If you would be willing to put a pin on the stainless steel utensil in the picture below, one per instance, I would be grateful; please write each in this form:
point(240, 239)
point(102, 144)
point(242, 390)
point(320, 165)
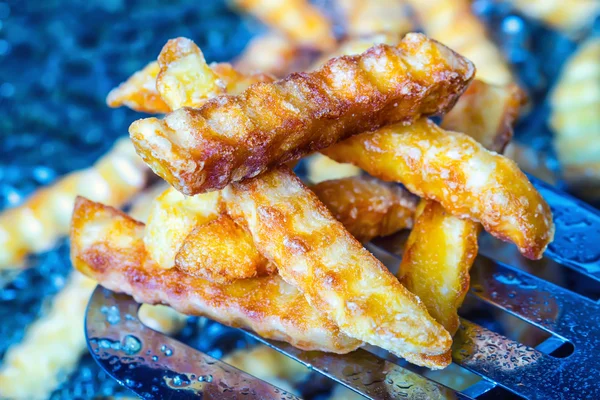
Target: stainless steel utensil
point(156, 366)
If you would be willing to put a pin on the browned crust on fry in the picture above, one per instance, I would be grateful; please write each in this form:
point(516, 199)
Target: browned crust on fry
point(107, 246)
point(366, 206)
point(235, 137)
point(221, 251)
point(336, 274)
point(456, 171)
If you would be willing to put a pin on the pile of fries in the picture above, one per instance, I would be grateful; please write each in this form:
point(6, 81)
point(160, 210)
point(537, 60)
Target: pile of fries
point(236, 236)
point(239, 238)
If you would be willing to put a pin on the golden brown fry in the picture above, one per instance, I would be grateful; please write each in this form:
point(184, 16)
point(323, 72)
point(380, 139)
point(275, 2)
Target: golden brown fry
point(236, 137)
point(436, 261)
point(172, 217)
point(456, 171)
point(35, 225)
point(366, 206)
point(572, 17)
point(221, 251)
point(576, 119)
point(365, 17)
point(441, 247)
point(297, 19)
point(271, 54)
point(139, 92)
point(337, 275)
point(186, 80)
point(487, 113)
point(107, 246)
point(452, 23)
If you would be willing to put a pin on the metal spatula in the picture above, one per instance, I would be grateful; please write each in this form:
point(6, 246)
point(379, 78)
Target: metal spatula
point(156, 366)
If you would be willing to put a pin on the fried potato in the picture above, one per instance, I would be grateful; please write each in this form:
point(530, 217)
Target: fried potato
point(172, 217)
point(437, 258)
point(575, 119)
point(452, 23)
point(52, 344)
point(297, 19)
point(320, 168)
point(221, 251)
point(365, 17)
point(571, 17)
point(487, 113)
point(271, 54)
point(108, 246)
point(36, 225)
point(139, 92)
point(236, 137)
point(337, 275)
point(366, 206)
point(441, 247)
point(186, 80)
point(456, 171)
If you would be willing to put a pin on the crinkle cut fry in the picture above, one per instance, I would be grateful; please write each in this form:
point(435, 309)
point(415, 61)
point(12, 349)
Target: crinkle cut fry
point(236, 137)
point(222, 251)
point(35, 225)
point(337, 275)
point(456, 171)
point(441, 247)
point(107, 246)
point(375, 16)
point(180, 77)
point(572, 17)
point(453, 23)
point(297, 19)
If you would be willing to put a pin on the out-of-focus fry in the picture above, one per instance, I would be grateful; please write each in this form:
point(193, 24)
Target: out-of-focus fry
point(297, 19)
point(271, 54)
point(437, 258)
point(172, 217)
point(366, 206)
point(456, 171)
point(221, 251)
point(142, 203)
point(53, 343)
point(186, 80)
point(452, 23)
point(487, 113)
point(320, 168)
point(35, 225)
point(139, 92)
point(571, 17)
point(108, 246)
point(576, 119)
point(337, 275)
point(365, 17)
point(162, 318)
point(236, 137)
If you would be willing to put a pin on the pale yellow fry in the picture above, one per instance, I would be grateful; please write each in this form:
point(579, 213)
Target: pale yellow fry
point(365, 17)
point(36, 225)
point(271, 53)
point(297, 19)
point(571, 17)
point(456, 171)
point(337, 275)
point(575, 119)
point(453, 23)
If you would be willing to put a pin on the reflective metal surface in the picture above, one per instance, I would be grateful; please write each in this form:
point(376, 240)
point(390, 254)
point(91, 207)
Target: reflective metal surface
point(155, 366)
